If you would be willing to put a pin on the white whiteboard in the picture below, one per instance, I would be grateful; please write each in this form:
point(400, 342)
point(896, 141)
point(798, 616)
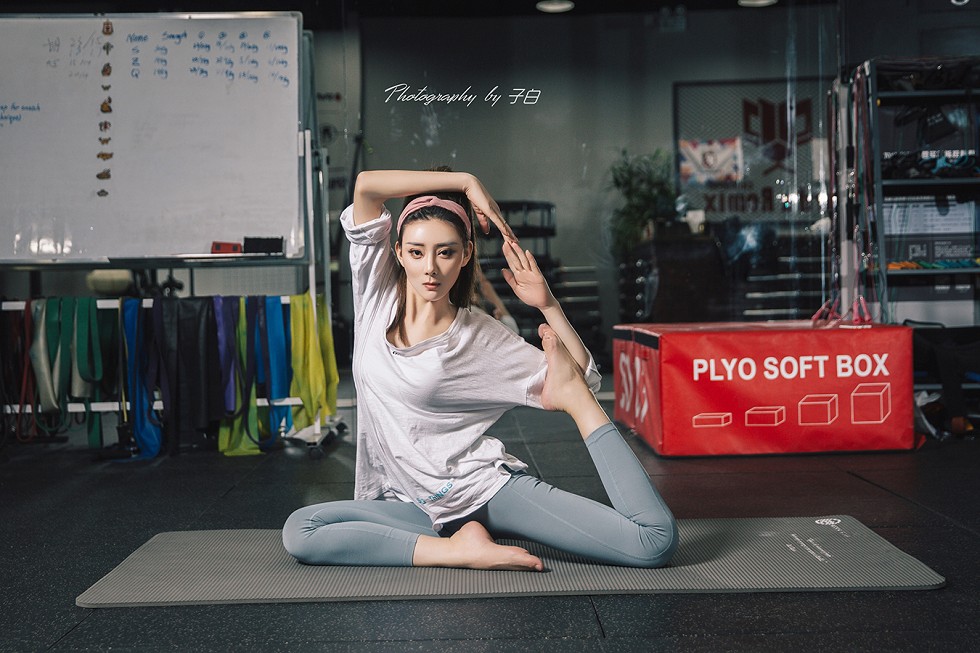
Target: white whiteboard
point(148, 136)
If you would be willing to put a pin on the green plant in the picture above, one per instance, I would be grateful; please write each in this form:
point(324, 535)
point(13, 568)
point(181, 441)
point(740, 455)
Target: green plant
point(646, 182)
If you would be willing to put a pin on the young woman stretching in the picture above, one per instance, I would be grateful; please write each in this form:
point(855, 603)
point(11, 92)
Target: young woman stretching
point(431, 487)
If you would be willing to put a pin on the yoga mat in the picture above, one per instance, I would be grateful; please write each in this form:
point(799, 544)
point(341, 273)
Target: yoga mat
point(715, 555)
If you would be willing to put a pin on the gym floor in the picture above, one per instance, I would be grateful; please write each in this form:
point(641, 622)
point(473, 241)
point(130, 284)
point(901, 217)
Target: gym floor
point(67, 519)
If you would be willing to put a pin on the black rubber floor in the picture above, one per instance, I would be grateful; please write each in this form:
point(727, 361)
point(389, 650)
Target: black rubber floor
point(67, 519)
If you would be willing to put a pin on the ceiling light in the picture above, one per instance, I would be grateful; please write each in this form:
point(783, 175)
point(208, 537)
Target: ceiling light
point(555, 6)
point(756, 3)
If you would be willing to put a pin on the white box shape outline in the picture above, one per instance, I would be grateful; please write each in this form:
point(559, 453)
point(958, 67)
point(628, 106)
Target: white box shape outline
point(723, 419)
point(818, 399)
point(884, 393)
point(780, 412)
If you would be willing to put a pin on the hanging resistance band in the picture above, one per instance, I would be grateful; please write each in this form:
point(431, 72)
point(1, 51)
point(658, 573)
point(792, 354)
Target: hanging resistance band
point(309, 381)
point(146, 429)
point(226, 319)
point(87, 365)
point(50, 355)
point(235, 435)
point(277, 365)
point(27, 383)
point(254, 375)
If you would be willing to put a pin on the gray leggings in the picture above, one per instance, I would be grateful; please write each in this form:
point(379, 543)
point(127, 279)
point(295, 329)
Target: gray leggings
point(640, 532)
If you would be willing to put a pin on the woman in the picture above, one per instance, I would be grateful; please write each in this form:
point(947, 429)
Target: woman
point(433, 376)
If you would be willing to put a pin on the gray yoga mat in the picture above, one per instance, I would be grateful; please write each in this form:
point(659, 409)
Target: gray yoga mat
point(715, 555)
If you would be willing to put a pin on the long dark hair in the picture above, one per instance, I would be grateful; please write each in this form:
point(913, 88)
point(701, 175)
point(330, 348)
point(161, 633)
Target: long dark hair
point(461, 293)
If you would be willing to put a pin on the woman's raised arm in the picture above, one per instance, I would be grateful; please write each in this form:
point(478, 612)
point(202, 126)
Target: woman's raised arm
point(529, 284)
point(374, 187)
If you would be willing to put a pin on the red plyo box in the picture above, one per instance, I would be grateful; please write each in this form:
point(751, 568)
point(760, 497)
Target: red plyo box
point(818, 409)
point(731, 388)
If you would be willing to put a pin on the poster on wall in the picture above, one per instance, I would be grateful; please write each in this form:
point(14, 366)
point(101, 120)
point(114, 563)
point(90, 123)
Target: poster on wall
point(710, 162)
point(751, 149)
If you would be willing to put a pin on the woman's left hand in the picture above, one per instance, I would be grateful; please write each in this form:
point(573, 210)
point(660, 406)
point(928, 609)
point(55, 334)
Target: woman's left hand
point(525, 278)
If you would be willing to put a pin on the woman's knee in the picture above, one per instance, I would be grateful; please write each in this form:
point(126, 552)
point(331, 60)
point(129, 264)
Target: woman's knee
point(298, 536)
point(293, 535)
point(657, 544)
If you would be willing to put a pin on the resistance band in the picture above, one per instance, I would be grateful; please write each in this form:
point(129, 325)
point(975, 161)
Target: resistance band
point(146, 429)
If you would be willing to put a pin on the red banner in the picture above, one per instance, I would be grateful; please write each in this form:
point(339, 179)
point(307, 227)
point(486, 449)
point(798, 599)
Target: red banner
point(764, 388)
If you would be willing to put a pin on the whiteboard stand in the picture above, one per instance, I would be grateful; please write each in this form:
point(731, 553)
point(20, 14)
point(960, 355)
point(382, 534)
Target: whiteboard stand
point(151, 176)
point(309, 209)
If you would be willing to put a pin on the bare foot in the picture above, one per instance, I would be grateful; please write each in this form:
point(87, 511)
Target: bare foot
point(477, 550)
point(472, 547)
point(564, 385)
point(565, 388)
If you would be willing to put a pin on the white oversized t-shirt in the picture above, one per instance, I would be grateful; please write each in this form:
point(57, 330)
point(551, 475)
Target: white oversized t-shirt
point(423, 411)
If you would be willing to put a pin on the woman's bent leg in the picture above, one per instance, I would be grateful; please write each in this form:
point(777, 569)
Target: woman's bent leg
point(381, 533)
point(632, 493)
point(640, 532)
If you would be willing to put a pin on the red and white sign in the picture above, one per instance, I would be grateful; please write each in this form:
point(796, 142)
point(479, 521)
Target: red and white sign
point(763, 388)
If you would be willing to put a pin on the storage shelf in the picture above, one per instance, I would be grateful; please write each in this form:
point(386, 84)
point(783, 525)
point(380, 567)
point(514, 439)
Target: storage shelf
point(933, 273)
point(938, 386)
point(893, 98)
point(113, 406)
point(101, 304)
point(77, 407)
point(900, 187)
point(871, 132)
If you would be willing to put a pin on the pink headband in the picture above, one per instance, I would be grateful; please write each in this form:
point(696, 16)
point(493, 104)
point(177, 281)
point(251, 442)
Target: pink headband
point(432, 200)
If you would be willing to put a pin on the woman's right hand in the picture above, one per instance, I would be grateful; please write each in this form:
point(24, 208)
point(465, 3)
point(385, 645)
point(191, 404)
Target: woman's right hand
point(486, 208)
